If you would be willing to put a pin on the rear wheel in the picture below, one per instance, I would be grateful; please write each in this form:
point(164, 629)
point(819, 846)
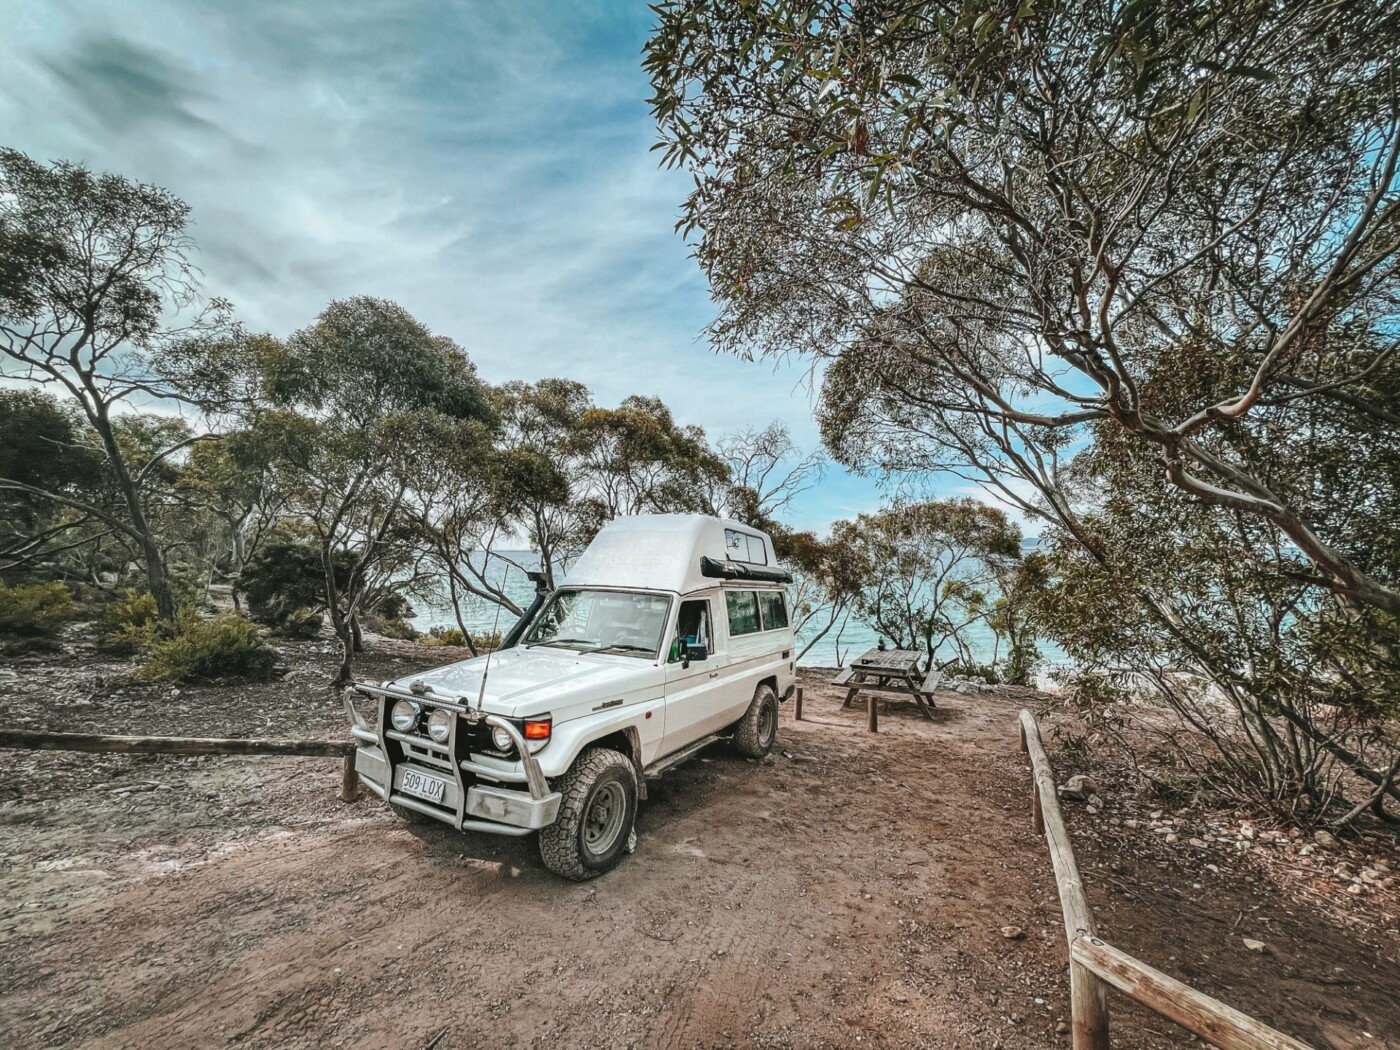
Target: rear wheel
point(758, 729)
point(596, 814)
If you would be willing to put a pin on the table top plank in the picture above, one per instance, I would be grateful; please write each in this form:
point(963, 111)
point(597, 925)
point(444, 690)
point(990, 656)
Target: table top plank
point(894, 661)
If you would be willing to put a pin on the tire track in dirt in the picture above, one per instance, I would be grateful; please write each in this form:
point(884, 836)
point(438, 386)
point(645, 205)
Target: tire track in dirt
point(850, 896)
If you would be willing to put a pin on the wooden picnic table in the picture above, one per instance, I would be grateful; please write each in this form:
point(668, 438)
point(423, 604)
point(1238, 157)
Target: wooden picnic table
point(889, 671)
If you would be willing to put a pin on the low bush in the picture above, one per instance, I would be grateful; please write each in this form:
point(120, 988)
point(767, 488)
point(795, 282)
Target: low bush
point(34, 610)
point(986, 672)
point(443, 636)
point(128, 622)
point(303, 624)
point(401, 629)
point(200, 650)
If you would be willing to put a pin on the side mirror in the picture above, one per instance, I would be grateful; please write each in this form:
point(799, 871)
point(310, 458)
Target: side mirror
point(696, 652)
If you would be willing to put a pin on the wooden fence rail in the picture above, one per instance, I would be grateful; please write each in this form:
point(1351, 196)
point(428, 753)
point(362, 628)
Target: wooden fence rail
point(99, 743)
point(1094, 964)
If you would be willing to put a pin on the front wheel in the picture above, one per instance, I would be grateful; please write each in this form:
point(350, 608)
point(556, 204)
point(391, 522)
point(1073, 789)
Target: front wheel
point(756, 731)
point(596, 814)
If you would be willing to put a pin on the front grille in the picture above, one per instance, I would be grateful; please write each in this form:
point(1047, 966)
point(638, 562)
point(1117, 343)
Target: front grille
point(471, 737)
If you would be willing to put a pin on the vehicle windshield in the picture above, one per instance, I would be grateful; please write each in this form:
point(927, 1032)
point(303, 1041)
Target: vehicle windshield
point(621, 622)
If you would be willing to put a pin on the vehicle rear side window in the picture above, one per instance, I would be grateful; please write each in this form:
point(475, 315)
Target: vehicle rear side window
point(774, 610)
point(740, 546)
point(743, 612)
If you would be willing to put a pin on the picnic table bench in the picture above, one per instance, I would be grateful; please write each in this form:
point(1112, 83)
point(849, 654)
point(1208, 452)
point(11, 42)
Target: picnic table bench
point(889, 671)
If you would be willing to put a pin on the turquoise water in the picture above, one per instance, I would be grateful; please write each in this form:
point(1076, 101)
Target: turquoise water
point(481, 616)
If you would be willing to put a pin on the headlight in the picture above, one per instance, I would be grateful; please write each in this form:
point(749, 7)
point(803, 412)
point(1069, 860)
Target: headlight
point(404, 716)
point(440, 725)
point(501, 739)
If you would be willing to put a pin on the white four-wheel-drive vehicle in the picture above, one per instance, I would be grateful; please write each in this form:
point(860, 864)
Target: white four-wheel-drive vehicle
point(670, 631)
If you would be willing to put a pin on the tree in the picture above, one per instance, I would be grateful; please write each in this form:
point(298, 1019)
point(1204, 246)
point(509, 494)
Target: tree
point(356, 395)
point(94, 270)
point(41, 448)
point(539, 458)
point(568, 466)
point(1004, 222)
point(1289, 691)
point(826, 582)
point(234, 478)
point(927, 572)
point(765, 472)
point(638, 460)
point(457, 505)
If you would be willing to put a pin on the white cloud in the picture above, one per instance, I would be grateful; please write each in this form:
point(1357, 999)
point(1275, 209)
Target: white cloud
point(485, 165)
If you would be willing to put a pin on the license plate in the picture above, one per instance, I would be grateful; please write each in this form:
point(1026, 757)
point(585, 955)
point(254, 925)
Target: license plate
point(431, 788)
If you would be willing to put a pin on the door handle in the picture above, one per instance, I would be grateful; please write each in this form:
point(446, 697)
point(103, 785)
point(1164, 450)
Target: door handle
point(714, 674)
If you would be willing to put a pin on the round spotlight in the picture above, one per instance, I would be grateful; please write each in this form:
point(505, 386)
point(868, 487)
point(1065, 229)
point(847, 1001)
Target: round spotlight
point(501, 739)
point(440, 725)
point(404, 716)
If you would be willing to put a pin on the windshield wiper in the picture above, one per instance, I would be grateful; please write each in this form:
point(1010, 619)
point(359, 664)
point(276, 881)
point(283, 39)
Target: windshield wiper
point(563, 641)
point(628, 648)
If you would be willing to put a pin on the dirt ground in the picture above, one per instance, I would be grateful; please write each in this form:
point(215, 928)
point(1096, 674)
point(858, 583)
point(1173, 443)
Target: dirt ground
point(849, 893)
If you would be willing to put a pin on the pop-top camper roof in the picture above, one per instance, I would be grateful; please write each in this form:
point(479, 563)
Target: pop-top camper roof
point(675, 552)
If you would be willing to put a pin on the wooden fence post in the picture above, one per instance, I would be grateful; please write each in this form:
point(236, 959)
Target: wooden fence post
point(872, 713)
point(797, 711)
point(349, 780)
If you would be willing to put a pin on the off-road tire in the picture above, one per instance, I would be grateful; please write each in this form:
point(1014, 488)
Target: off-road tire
point(755, 733)
point(564, 845)
point(411, 816)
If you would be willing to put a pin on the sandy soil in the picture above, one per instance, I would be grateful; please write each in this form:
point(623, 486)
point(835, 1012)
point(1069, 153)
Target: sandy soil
point(849, 893)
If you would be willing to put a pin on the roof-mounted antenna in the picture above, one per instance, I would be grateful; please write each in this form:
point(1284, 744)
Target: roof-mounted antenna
point(495, 630)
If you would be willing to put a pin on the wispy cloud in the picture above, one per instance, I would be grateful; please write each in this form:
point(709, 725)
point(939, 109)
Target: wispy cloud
point(485, 165)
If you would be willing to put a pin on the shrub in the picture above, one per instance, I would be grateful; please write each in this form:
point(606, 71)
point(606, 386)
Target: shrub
point(35, 610)
point(302, 624)
point(285, 576)
point(444, 636)
point(986, 672)
point(129, 622)
point(393, 628)
point(197, 650)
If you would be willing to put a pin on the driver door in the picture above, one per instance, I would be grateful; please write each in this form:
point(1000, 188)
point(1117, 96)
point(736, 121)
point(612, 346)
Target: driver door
point(693, 693)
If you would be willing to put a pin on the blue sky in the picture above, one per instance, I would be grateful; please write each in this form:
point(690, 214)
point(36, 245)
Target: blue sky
point(485, 165)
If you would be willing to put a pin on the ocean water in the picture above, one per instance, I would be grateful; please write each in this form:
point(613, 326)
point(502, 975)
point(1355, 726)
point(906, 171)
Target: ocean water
point(480, 616)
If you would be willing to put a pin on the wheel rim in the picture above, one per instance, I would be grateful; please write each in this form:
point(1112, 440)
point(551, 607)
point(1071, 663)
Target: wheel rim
point(606, 812)
point(766, 725)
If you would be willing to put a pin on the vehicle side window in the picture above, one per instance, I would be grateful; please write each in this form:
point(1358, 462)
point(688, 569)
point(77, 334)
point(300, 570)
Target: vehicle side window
point(774, 610)
point(743, 612)
point(692, 627)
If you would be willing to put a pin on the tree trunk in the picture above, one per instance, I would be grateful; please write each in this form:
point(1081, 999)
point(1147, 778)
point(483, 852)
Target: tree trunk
point(240, 555)
point(357, 638)
point(136, 512)
point(339, 621)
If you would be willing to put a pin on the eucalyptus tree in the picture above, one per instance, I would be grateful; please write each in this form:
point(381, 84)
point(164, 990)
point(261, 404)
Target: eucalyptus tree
point(927, 572)
point(568, 466)
point(1291, 693)
point(998, 223)
point(538, 458)
point(42, 447)
point(96, 287)
point(233, 479)
point(457, 508)
point(827, 580)
point(357, 395)
point(765, 472)
point(637, 460)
